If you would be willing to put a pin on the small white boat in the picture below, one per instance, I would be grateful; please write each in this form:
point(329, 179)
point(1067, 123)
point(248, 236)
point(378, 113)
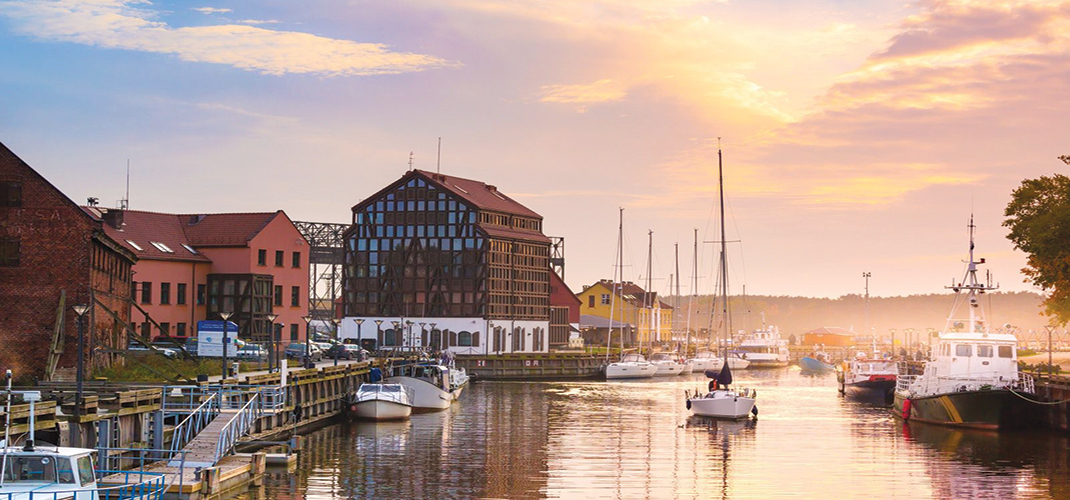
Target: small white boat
point(706, 360)
point(630, 366)
point(382, 402)
point(688, 367)
point(666, 365)
point(723, 403)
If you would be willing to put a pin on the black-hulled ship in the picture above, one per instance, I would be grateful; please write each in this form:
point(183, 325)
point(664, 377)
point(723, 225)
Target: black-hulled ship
point(971, 378)
point(868, 378)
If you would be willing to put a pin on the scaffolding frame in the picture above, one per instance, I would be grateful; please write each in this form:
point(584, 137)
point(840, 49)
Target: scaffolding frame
point(325, 259)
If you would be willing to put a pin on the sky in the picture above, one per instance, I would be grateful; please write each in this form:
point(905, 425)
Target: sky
point(858, 136)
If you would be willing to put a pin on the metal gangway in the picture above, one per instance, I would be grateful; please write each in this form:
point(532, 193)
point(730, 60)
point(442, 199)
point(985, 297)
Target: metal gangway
point(216, 418)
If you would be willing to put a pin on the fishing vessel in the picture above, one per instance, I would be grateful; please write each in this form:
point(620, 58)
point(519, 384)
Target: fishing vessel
point(721, 401)
point(631, 365)
point(764, 348)
point(971, 378)
point(818, 363)
point(869, 379)
point(382, 402)
point(435, 384)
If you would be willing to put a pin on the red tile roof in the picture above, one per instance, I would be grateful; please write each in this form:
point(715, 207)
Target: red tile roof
point(176, 231)
point(480, 194)
point(225, 230)
point(635, 295)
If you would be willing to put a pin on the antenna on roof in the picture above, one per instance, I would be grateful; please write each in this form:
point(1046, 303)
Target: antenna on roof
point(438, 162)
point(410, 160)
point(125, 202)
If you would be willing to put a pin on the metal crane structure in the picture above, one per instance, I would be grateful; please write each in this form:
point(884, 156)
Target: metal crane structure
point(325, 266)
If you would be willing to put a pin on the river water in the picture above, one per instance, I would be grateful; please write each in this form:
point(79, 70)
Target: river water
point(635, 439)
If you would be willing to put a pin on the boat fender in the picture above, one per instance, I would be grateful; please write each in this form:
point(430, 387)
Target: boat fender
point(906, 409)
point(688, 404)
point(353, 408)
point(754, 410)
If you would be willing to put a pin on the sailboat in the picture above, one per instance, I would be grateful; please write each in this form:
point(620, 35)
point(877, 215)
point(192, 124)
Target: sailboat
point(971, 378)
point(722, 401)
point(666, 364)
point(631, 365)
point(688, 365)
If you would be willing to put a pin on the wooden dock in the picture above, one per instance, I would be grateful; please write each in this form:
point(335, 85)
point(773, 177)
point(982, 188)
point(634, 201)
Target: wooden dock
point(532, 366)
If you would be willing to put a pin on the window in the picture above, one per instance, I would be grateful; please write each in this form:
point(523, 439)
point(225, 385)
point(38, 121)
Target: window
point(278, 295)
point(296, 260)
point(165, 329)
point(136, 246)
point(1005, 351)
point(10, 248)
point(464, 339)
point(605, 299)
point(180, 330)
point(180, 299)
point(590, 301)
point(295, 296)
point(10, 194)
point(201, 294)
point(261, 257)
point(146, 292)
point(30, 468)
point(189, 249)
point(984, 351)
point(279, 255)
point(85, 470)
point(165, 293)
point(962, 350)
point(161, 247)
point(388, 337)
point(293, 332)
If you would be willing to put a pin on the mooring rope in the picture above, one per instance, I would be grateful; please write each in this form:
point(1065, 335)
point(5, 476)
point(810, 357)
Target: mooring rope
point(1012, 391)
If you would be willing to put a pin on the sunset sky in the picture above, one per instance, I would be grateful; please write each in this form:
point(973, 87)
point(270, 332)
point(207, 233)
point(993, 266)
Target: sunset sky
point(858, 135)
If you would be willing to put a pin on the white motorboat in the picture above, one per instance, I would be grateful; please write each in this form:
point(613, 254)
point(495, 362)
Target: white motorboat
point(434, 386)
point(764, 348)
point(706, 360)
point(382, 402)
point(688, 368)
point(666, 365)
point(630, 366)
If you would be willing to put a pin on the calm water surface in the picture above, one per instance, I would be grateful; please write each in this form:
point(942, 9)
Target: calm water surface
point(595, 439)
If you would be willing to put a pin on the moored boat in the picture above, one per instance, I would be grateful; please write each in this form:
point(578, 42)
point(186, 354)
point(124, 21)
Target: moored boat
point(971, 378)
point(816, 364)
point(666, 365)
point(382, 402)
point(435, 385)
point(869, 380)
point(630, 366)
point(764, 348)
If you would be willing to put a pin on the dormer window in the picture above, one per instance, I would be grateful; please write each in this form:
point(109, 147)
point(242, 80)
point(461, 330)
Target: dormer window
point(135, 245)
point(189, 248)
point(161, 247)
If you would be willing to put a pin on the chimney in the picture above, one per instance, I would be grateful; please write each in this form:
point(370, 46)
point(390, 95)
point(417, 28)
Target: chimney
point(113, 217)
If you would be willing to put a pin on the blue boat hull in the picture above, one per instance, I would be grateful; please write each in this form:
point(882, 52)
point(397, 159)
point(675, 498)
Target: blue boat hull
point(812, 365)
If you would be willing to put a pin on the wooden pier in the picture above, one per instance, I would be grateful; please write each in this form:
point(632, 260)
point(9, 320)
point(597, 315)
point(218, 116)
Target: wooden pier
point(531, 366)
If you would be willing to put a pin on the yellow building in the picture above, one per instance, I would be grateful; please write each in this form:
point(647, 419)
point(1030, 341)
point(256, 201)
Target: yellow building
point(631, 305)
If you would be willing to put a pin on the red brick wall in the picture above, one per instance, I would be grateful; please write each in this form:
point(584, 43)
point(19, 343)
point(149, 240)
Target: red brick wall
point(56, 241)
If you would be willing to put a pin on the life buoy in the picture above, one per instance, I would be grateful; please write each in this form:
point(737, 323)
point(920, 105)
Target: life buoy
point(906, 409)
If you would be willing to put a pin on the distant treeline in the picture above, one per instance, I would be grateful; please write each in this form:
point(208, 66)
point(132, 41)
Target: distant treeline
point(795, 315)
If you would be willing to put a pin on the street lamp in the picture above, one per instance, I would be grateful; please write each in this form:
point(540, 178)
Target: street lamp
point(337, 343)
point(80, 311)
point(226, 316)
point(422, 335)
point(397, 325)
point(272, 354)
point(308, 341)
point(359, 321)
point(408, 335)
point(431, 338)
point(378, 333)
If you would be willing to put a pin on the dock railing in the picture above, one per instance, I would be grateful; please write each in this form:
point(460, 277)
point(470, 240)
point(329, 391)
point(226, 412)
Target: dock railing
point(238, 426)
point(927, 385)
point(137, 485)
point(198, 419)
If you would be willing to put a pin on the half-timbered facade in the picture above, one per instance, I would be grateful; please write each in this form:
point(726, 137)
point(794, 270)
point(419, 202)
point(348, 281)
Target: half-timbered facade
point(451, 263)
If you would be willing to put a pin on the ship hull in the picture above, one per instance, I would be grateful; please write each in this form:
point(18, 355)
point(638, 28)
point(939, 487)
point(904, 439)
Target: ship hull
point(871, 391)
point(991, 409)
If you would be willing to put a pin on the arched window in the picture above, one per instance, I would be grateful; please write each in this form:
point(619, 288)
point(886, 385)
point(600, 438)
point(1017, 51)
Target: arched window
point(464, 339)
point(436, 339)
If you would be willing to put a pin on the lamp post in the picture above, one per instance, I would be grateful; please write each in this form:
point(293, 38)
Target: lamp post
point(308, 341)
point(867, 275)
point(397, 325)
point(892, 331)
point(378, 333)
point(80, 311)
point(408, 334)
point(431, 337)
point(226, 316)
point(359, 321)
point(422, 330)
point(337, 343)
point(1050, 329)
point(272, 354)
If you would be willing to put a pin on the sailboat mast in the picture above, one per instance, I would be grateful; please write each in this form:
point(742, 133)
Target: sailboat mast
point(687, 340)
point(613, 291)
point(724, 251)
point(648, 298)
point(620, 265)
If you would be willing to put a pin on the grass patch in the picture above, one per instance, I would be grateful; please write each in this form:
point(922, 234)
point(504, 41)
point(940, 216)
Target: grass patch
point(1026, 352)
point(130, 371)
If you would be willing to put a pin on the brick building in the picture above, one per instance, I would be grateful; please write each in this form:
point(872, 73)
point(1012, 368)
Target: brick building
point(193, 266)
point(53, 253)
point(564, 312)
point(448, 263)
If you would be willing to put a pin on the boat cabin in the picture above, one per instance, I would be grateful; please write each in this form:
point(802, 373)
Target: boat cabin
point(633, 358)
point(662, 356)
point(970, 354)
point(47, 470)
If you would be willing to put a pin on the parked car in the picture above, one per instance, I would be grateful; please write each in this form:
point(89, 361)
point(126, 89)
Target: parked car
point(296, 350)
point(347, 351)
point(324, 346)
point(252, 352)
point(166, 351)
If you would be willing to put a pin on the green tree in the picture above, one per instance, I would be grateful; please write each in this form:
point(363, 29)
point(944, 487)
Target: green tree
point(1039, 219)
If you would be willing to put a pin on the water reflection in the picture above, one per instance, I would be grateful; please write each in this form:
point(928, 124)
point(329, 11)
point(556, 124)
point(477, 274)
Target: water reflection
point(637, 440)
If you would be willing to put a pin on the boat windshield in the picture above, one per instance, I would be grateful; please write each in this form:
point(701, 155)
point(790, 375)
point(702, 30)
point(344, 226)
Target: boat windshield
point(633, 358)
point(661, 357)
point(38, 469)
point(705, 355)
